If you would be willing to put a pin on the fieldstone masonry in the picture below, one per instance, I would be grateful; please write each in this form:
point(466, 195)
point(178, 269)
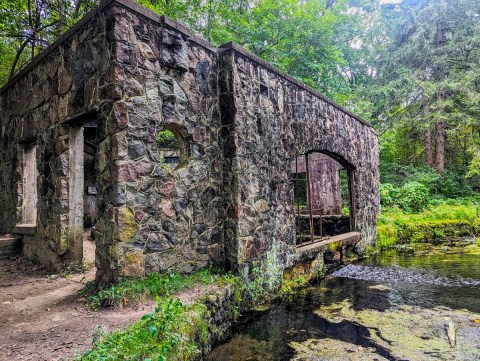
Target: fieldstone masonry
point(239, 122)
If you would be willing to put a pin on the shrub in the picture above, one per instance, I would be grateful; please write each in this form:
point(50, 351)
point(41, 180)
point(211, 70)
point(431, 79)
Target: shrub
point(133, 290)
point(386, 236)
point(449, 184)
point(388, 194)
point(413, 197)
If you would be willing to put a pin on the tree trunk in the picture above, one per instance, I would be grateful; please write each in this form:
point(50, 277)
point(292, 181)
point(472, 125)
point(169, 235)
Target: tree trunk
point(440, 147)
point(428, 147)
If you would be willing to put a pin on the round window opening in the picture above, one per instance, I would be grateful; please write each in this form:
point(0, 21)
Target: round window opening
point(173, 151)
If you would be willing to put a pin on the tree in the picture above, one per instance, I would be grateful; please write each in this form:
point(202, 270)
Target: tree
point(28, 26)
point(425, 78)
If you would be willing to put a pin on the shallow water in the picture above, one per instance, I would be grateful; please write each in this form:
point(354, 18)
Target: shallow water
point(355, 311)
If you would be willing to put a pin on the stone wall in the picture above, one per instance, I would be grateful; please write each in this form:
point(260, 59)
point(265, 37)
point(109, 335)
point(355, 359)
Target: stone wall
point(38, 109)
point(161, 218)
point(239, 123)
point(135, 73)
point(272, 119)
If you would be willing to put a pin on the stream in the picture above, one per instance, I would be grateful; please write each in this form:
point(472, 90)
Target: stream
point(418, 305)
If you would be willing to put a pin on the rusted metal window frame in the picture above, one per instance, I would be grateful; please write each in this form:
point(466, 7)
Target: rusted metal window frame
point(351, 189)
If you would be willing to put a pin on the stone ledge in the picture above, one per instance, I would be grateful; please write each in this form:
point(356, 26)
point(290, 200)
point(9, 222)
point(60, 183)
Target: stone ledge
point(311, 250)
point(25, 228)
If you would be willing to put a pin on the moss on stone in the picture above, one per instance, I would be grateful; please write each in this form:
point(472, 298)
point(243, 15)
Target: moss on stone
point(175, 331)
point(133, 264)
point(386, 236)
point(125, 225)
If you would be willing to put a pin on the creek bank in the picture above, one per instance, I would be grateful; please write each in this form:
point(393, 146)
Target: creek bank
point(436, 232)
point(182, 326)
point(199, 311)
point(453, 220)
point(392, 318)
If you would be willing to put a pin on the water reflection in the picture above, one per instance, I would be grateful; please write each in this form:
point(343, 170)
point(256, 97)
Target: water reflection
point(380, 285)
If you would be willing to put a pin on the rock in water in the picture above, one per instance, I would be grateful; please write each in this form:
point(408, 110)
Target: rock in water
point(451, 333)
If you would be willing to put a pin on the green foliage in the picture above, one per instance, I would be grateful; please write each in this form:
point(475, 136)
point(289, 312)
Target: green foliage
point(389, 194)
point(292, 283)
point(174, 331)
point(134, 290)
point(158, 336)
point(449, 184)
point(167, 139)
point(309, 39)
point(423, 56)
point(411, 197)
point(29, 26)
point(255, 288)
point(386, 236)
point(433, 231)
point(444, 219)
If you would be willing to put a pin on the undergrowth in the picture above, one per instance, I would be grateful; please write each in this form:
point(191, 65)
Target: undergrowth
point(136, 290)
point(172, 332)
point(442, 220)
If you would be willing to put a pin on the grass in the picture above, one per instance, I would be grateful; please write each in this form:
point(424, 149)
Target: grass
point(174, 331)
point(442, 220)
point(135, 290)
point(462, 209)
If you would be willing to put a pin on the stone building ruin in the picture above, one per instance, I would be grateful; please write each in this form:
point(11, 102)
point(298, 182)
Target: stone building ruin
point(82, 128)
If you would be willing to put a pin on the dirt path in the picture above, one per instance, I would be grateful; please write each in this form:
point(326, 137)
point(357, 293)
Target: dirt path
point(42, 317)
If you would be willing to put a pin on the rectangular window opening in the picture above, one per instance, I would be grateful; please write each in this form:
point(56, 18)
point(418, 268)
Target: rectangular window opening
point(29, 185)
point(264, 90)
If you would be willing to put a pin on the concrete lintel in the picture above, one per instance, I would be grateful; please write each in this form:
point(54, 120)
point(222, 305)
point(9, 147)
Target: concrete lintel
point(81, 118)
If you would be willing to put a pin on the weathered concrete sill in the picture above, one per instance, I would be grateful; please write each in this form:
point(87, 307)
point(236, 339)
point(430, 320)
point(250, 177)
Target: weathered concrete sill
point(25, 228)
point(310, 250)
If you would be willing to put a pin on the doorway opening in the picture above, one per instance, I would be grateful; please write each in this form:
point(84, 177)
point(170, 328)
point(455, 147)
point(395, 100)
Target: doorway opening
point(322, 197)
point(90, 190)
point(83, 192)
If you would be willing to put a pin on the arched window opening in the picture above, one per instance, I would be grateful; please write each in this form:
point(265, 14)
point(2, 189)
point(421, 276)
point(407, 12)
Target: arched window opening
point(322, 197)
point(173, 149)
